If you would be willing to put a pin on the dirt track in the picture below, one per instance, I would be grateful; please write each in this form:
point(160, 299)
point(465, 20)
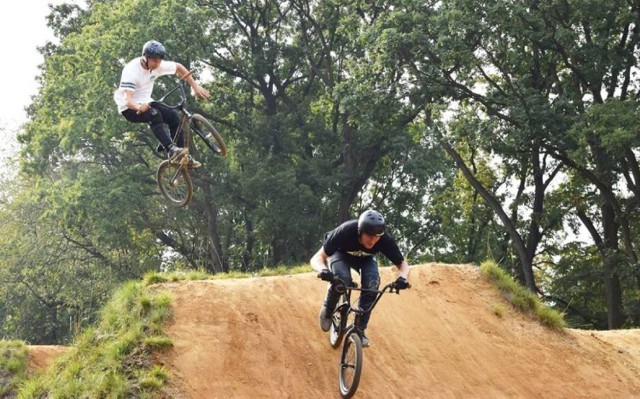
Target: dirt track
point(259, 338)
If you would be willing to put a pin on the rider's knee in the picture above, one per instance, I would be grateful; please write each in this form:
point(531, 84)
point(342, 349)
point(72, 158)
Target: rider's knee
point(155, 118)
point(374, 283)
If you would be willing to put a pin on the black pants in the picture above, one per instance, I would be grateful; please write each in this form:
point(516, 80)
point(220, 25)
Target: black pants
point(341, 265)
point(156, 117)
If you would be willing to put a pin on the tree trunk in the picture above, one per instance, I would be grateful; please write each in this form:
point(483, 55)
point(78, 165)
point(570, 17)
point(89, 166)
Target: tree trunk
point(497, 208)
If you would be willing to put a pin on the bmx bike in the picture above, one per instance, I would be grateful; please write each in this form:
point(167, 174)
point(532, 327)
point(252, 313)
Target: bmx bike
point(174, 179)
point(341, 329)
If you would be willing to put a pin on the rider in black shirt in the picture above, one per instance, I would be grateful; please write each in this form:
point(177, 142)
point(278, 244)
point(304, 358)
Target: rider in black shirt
point(354, 244)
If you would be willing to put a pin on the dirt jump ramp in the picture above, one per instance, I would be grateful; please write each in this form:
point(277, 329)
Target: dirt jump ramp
point(259, 338)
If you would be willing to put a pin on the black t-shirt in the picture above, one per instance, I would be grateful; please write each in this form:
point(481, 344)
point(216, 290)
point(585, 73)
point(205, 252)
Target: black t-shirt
point(344, 238)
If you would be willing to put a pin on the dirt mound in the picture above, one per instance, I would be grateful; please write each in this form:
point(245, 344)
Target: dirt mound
point(41, 356)
point(259, 338)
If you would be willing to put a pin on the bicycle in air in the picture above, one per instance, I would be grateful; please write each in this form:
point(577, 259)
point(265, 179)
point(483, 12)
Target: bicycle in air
point(342, 329)
point(174, 179)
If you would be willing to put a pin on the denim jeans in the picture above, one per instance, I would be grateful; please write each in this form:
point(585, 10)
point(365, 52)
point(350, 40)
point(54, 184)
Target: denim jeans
point(341, 265)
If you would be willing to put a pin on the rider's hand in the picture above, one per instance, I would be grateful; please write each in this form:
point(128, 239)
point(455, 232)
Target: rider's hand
point(326, 275)
point(401, 283)
point(142, 108)
point(201, 92)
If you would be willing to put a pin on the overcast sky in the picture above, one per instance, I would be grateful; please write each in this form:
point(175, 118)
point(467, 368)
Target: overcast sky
point(23, 28)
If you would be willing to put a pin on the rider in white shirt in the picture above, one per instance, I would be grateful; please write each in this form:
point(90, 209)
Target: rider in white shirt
point(133, 96)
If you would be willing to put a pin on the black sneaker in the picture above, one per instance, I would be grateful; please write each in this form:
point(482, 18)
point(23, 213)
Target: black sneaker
point(176, 153)
point(324, 318)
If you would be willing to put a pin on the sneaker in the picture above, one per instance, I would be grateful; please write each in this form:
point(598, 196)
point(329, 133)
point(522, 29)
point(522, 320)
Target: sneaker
point(193, 164)
point(365, 341)
point(176, 153)
point(325, 319)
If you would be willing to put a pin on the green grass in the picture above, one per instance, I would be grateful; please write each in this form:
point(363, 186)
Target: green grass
point(13, 366)
point(159, 277)
point(521, 298)
point(498, 310)
point(112, 359)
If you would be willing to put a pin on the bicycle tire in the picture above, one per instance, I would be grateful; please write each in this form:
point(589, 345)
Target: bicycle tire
point(205, 130)
point(338, 324)
point(350, 365)
point(174, 183)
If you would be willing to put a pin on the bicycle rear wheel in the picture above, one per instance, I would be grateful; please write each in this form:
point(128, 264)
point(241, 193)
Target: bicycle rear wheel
point(205, 130)
point(338, 324)
point(350, 365)
point(175, 183)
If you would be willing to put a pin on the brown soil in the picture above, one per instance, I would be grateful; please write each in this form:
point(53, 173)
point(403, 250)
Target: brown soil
point(41, 356)
point(259, 338)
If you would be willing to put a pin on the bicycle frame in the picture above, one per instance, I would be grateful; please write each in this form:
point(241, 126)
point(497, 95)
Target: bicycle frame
point(173, 177)
point(346, 291)
point(185, 115)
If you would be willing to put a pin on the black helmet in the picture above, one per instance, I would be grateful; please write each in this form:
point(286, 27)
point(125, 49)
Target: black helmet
point(372, 223)
point(153, 49)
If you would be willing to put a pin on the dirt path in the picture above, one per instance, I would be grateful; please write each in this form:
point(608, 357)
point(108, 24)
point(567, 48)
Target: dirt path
point(259, 338)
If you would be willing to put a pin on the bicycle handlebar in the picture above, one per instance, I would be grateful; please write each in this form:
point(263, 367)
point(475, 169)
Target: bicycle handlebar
point(183, 96)
point(342, 287)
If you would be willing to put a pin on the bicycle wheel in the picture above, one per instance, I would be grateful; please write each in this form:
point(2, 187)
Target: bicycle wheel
point(350, 365)
point(205, 130)
point(175, 183)
point(338, 323)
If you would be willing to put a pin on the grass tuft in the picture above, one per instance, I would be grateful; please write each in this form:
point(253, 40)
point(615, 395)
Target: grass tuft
point(521, 298)
point(498, 310)
point(159, 278)
point(112, 359)
point(13, 366)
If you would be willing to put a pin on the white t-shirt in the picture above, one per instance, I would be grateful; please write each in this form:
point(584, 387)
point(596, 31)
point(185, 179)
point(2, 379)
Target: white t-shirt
point(140, 81)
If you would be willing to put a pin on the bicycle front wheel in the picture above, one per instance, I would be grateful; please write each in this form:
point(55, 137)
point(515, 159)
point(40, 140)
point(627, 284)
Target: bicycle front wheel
point(350, 365)
point(175, 183)
point(205, 130)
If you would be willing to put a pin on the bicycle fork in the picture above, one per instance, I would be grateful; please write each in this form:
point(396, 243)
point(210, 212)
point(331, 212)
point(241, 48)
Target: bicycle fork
point(183, 164)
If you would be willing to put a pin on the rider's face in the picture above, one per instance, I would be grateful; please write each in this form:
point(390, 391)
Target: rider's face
point(153, 63)
point(368, 241)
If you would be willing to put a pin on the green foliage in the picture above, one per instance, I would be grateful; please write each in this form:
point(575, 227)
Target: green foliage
point(521, 298)
point(328, 108)
point(13, 366)
point(112, 359)
point(159, 278)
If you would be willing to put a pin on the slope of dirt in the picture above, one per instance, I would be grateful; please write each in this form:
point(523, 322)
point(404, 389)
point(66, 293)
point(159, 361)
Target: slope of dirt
point(41, 356)
point(259, 338)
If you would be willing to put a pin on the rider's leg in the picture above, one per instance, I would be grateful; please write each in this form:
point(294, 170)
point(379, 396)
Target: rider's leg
point(156, 123)
point(370, 280)
point(172, 119)
point(154, 119)
point(343, 271)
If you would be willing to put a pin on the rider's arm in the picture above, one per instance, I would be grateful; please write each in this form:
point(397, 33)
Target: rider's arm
point(319, 260)
point(132, 104)
point(198, 90)
point(404, 269)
